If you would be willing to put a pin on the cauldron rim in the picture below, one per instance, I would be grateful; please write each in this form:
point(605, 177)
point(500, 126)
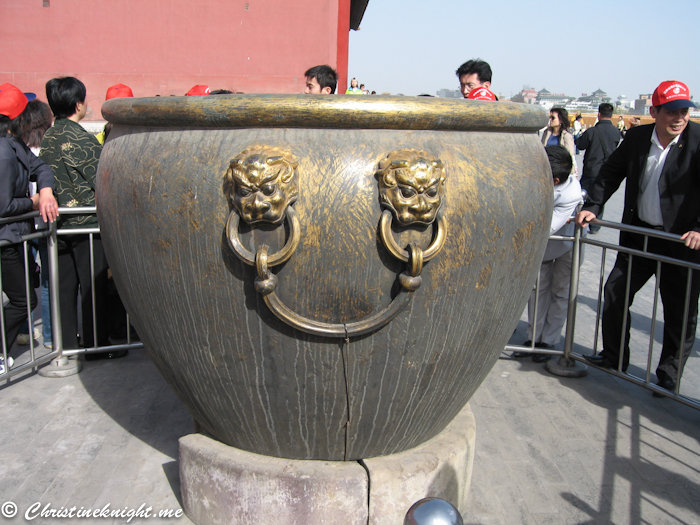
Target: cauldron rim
point(324, 111)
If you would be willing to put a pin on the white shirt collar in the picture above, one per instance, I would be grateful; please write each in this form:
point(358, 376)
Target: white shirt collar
point(655, 140)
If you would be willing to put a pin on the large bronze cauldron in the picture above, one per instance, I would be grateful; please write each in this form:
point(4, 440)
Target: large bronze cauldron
point(324, 277)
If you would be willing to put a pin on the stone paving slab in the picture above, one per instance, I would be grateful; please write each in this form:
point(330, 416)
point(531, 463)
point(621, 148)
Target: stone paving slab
point(584, 450)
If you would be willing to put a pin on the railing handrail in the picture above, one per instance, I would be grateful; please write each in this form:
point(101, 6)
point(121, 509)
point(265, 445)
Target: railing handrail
point(649, 232)
point(58, 354)
point(568, 356)
point(578, 241)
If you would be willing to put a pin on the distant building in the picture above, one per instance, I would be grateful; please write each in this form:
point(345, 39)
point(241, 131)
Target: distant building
point(594, 100)
point(527, 95)
point(549, 100)
point(449, 93)
point(642, 105)
point(622, 102)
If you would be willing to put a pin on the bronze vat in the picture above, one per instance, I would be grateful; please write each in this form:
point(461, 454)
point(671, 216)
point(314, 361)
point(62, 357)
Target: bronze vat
point(324, 277)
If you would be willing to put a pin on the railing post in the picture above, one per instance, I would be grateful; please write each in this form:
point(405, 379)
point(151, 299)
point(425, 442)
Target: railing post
point(60, 366)
point(565, 366)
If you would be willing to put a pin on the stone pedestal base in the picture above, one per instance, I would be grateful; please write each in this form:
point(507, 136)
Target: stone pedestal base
point(224, 485)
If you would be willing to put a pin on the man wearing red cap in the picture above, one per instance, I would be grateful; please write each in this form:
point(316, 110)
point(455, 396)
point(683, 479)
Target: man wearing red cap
point(661, 165)
point(473, 74)
point(119, 91)
point(115, 91)
point(198, 91)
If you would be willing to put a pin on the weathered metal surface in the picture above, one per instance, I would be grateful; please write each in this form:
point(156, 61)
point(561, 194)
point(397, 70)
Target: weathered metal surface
point(321, 111)
point(248, 378)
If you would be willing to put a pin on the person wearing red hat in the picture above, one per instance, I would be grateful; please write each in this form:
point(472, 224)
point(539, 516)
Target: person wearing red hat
point(660, 163)
point(119, 91)
point(198, 91)
point(473, 74)
point(18, 165)
point(115, 91)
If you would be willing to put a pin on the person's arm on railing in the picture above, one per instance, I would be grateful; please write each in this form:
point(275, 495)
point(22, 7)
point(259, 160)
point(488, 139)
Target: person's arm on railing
point(584, 217)
point(691, 239)
point(45, 200)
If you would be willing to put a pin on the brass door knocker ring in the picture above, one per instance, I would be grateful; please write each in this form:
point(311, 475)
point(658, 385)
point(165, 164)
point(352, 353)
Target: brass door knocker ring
point(392, 246)
point(276, 258)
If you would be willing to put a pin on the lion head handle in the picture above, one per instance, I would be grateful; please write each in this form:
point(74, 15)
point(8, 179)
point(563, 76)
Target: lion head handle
point(411, 184)
point(261, 183)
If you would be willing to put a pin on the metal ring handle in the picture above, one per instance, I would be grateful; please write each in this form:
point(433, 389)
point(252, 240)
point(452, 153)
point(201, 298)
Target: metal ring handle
point(281, 256)
point(261, 262)
point(415, 265)
point(362, 327)
point(410, 282)
point(395, 250)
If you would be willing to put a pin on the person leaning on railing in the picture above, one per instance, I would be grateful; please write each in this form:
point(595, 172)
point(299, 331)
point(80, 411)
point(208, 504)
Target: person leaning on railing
point(661, 165)
point(17, 165)
point(555, 270)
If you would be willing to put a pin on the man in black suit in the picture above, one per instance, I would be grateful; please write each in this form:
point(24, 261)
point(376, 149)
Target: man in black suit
point(661, 163)
point(599, 142)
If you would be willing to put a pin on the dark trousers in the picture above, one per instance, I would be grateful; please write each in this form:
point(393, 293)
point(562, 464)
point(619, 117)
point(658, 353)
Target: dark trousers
point(75, 287)
point(672, 285)
point(13, 284)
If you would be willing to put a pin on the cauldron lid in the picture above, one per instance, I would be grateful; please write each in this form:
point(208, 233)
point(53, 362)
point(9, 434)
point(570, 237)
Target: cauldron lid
point(324, 111)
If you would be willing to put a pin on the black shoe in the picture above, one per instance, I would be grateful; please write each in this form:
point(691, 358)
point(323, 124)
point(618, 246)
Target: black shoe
point(541, 358)
point(604, 362)
point(599, 360)
point(667, 384)
point(519, 355)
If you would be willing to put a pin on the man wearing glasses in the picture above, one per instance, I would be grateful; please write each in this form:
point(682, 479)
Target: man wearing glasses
point(473, 74)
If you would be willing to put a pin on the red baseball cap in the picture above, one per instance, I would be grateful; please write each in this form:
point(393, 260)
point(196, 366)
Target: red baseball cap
point(481, 93)
point(198, 91)
point(119, 91)
point(672, 94)
point(13, 101)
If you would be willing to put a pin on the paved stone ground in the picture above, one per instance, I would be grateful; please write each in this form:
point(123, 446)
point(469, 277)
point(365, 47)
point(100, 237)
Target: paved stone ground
point(549, 450)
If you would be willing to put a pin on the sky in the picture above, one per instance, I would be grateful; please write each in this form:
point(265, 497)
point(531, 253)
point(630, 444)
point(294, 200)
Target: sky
point(624, 47)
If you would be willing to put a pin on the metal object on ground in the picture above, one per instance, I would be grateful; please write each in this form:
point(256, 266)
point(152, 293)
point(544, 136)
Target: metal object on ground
point(386, 251)
point(433, 511)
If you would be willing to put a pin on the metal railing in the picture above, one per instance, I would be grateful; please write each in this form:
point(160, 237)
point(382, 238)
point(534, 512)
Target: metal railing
point(569, 358)
point(34, 360)
point(58, 355)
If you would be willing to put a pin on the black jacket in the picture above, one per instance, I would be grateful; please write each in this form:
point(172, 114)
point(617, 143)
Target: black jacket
point(679, 183)
point(595, 141)
point(17, 165)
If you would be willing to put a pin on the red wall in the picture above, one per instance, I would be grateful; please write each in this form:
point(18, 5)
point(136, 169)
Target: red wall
point(165, 47)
